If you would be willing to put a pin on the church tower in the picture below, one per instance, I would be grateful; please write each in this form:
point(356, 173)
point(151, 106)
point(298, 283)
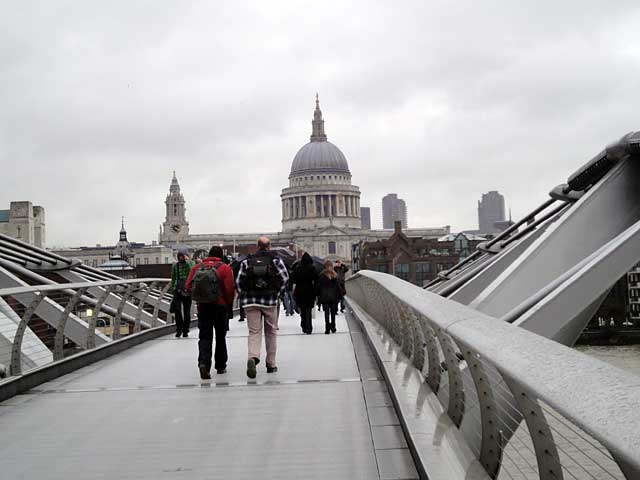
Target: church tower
point(123, 247)
point(175, 226)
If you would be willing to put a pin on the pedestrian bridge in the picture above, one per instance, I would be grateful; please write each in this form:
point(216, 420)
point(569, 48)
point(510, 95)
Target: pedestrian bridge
point(145, 413)
point(470, 378)
point(395, 394)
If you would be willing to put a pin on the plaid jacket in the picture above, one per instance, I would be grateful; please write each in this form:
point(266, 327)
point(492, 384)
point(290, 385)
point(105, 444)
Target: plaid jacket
point(180, 271)
point(261, 300)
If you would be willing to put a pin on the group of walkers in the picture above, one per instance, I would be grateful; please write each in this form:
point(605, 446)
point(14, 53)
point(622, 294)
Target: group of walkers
point(261, 282)
point(326, 289)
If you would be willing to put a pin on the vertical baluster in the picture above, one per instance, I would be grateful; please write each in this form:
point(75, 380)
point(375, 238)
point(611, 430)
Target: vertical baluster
point(549, 465)
point(16, 350)
point(455, 409)
point(115, 333)
point(143, 301)
point(91, 329)
point(58, 349)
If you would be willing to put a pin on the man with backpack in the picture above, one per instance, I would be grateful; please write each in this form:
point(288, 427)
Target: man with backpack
point(261, 280)
point(211, 287)
point(181, 301)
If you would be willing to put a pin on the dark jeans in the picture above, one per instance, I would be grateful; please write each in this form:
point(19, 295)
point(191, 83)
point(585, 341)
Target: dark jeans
point(330, 315)
point(306, 322)
point(289, 303)
point(210, 317)
point(183, 321)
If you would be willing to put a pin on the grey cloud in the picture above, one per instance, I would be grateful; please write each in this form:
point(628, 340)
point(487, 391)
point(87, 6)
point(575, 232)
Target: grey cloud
point(437, 101)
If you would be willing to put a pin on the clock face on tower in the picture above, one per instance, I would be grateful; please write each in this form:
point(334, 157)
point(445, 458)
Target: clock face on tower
point(176, 227)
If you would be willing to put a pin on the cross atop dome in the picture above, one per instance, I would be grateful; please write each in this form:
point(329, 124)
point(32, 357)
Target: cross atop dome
point(317, 132)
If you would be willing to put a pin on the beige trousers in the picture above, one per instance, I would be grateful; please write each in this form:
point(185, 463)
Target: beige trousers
point(255, 317)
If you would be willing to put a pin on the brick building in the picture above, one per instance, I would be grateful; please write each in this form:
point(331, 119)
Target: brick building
point(415, 259)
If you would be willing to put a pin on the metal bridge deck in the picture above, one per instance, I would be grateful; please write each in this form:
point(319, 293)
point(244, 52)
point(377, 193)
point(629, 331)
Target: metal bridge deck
point(145, 413)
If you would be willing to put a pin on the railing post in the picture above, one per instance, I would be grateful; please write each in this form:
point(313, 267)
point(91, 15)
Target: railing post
point(16, 350)
point(418, 340)
point(549, 466)
point(115, 332)
point(143, 300)
point(434, 373)
point(406, 335)
point(156, 309)
point(491, 448)
point(455, 409)
point(91, 329)
point(58, 349)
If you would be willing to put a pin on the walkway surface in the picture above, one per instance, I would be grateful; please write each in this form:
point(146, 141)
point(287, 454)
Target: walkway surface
point(145, 414)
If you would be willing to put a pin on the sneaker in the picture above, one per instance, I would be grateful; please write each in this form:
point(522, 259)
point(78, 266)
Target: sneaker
point(273, 369)
point(178, 335)
point(251, 368)
point(221, 371)
point(204, 373)
point(185, 334)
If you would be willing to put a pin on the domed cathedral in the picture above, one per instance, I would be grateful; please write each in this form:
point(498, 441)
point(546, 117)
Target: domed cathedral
point(320, 207)
point(320, 193)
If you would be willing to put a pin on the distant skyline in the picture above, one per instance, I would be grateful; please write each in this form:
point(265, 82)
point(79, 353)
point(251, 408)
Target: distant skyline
point(438, 101)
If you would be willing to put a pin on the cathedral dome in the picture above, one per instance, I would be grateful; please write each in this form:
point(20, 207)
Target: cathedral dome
point(319, 155)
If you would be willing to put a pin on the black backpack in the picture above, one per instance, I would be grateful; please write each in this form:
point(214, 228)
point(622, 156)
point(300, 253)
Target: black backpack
point(205, 285)
point(262, 275)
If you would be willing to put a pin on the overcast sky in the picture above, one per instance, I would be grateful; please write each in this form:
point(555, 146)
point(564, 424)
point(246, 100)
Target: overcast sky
point(438, 101)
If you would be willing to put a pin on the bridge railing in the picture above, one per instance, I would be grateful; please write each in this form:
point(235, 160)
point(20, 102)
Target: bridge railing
point(46, 323)
point(528, 407)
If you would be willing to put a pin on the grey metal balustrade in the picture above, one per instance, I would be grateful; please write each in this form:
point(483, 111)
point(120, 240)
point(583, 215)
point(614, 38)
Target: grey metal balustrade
point(527, 407)
point(36, 327)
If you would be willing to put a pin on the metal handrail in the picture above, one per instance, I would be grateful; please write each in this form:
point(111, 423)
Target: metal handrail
point(64, 286)
point(531, 373)
point(21, 304)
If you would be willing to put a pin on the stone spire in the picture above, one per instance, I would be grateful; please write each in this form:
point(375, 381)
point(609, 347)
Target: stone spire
point(175, 186)
point(317, 134)
point(123, 232)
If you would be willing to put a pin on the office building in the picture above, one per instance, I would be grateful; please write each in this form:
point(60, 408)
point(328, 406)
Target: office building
point(394, 209)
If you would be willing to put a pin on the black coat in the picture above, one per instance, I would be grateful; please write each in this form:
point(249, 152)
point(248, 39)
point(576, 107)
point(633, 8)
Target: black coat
point(328, 290)
point(304, 278)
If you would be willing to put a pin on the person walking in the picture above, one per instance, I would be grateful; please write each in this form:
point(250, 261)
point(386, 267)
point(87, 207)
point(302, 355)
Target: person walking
point(329, 295)
point(304, 278)
point(341, 270)
point(261, 280)
point(212, 288)
point(235, 266)
point(182, 301)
